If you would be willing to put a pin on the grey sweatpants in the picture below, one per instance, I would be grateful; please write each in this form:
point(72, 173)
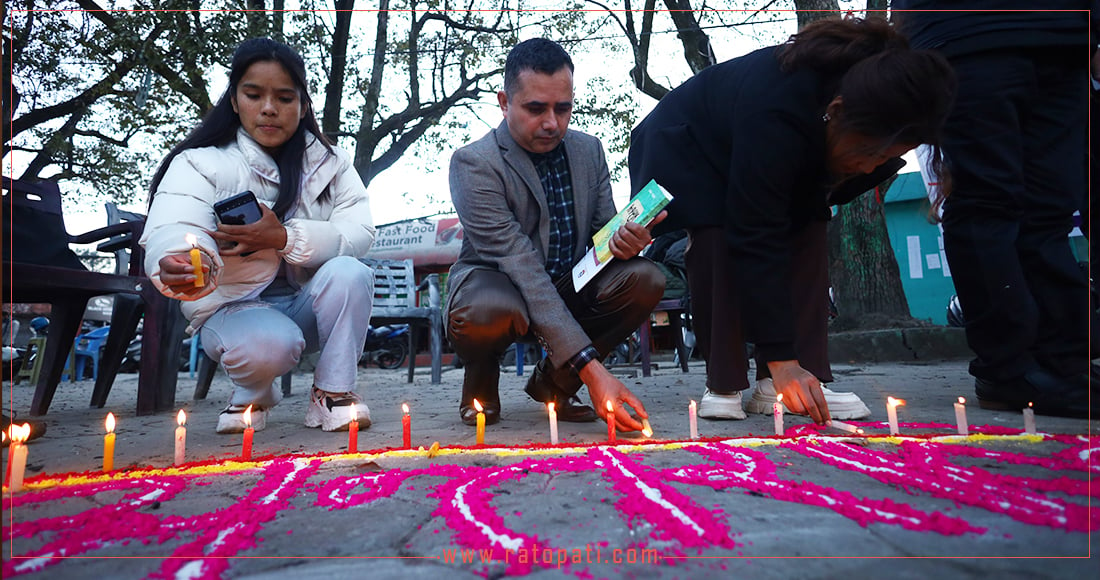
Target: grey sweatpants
point(257, 341)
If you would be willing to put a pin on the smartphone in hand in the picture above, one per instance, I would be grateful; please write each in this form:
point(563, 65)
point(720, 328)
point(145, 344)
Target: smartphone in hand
point(238, 210)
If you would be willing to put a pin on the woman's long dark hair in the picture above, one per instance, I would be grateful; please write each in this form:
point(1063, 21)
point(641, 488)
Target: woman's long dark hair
point(888, 90)
point(221, 123)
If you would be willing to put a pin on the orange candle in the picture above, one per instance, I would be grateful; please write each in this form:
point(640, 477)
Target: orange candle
point(181, 438)
point(353, 432)
point(406, 427)
point(480, 423)
point(109, 444)
point(196, 261)
point(610, 421)
point(246, 447)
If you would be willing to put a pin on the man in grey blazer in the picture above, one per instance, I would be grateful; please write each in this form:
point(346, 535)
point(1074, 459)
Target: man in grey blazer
point(530, 194)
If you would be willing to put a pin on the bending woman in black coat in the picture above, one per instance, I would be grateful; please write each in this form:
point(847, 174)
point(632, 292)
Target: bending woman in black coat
point(755, 150)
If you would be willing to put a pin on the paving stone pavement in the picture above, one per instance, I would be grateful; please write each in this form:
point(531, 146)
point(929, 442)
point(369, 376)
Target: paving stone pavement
point(991, 507)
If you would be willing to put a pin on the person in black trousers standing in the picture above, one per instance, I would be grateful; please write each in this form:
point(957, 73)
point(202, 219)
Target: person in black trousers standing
point(1016, 144)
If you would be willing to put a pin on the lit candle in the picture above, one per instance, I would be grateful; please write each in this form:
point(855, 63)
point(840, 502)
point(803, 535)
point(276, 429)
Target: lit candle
point(17, 456)
point(553, 423)
point(960, 417)
point(777, 410)
point(646, 429)
point(843, 426)
point(196, 260)
point(693, 420)
point(246, 446)
point(109, 444)
point(892, 413)
point(610, 420)
point(181, 437)
point(480, 423)
point(1029, 420)
point(406, 426)
point(353, 431)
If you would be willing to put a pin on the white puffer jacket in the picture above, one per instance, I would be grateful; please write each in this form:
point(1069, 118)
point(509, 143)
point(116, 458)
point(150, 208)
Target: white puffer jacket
point(317, 230)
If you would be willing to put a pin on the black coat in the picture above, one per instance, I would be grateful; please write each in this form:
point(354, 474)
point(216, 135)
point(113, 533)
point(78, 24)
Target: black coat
point(741, 145)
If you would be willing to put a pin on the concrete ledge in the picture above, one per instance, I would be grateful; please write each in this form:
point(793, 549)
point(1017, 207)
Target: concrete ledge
point(899, 345)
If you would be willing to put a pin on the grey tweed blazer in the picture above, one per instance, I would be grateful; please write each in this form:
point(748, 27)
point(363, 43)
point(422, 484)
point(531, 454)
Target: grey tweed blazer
point(506, 227)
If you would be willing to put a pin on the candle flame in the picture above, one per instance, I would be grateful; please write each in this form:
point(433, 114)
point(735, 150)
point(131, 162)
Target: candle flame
point(646, 429)
point(354, 415)
point(778, 398)
point(962, 400)
point(405, 408)
point(181, 418)
point(859, 431)
point(610, 407)
point(20, 433)
point(894, 402)
point(110, 422)
point(550, 406)
point(692, 404)
point(248, 417)
point(191, 239)
point(477, 406)
point(1029, 404)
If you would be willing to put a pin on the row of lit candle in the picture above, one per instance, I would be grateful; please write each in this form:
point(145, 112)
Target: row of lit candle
point(17, 457)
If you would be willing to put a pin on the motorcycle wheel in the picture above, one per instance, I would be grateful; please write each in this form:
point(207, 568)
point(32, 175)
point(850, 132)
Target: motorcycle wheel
point(393, 354)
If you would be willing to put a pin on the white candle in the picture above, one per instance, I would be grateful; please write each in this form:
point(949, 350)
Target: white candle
point(892, 413)
point(17, 456)
point(181, 438)
point(843, 426)
point(1029, 420)
point(693, 420)
point(553, 423)
point(960, 417)
point(777, 409)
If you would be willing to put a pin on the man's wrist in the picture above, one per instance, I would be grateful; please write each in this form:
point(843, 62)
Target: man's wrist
point(582, 358)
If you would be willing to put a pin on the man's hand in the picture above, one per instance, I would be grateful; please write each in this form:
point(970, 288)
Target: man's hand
point(631, 238)
point(801, 390)
point(265, 233)
point(603, 387)
point(177, 273)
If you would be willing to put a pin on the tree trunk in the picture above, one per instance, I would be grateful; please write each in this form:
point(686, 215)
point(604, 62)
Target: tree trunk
point(334, 93)
point(865, 277)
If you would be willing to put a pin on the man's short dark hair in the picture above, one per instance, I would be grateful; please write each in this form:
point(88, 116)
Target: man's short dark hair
point(538, 54)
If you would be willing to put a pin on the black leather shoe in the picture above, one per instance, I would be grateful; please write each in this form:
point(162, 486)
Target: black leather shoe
point(569, 408)
point(38, 428)
point(469, 413)
point(1048, 393)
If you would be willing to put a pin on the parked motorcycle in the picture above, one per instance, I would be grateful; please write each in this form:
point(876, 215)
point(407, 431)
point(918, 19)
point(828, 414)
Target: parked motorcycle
point(131, 361)
point(386, 346)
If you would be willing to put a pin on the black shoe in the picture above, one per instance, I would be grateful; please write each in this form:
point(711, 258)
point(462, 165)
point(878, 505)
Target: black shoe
point(468, 413)
point(568, 407)
point(38, 428)
point(1048, 393)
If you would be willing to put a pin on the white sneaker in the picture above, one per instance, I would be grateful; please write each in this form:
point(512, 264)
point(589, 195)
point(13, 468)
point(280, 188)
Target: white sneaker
point(719, 406)
point(843, 406)
point(231, 420)
point(333, 411)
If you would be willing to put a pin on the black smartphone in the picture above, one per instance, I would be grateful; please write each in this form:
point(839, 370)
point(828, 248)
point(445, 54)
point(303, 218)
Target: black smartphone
point(238, 210)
